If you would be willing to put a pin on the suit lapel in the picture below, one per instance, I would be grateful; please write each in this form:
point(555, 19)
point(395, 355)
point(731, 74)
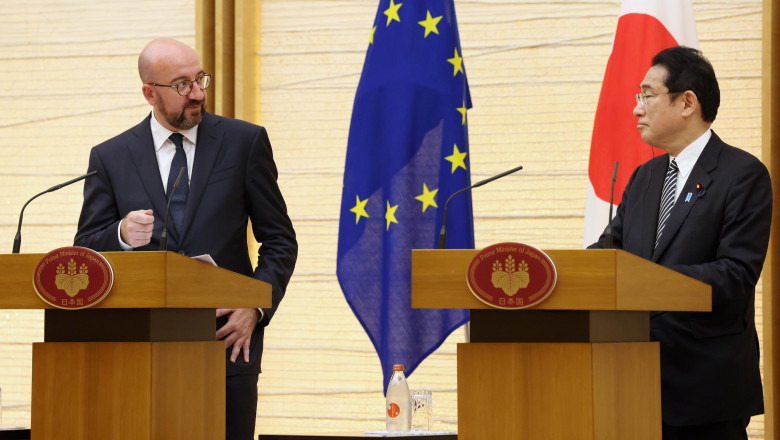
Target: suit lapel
point(145, 161)
point(649, 203)
point(700, 174)
point(206, 152)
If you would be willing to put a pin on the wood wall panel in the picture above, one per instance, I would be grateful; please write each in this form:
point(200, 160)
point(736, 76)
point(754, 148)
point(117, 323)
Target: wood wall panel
point(182, 410)
point(106, 383)
point(770, 134)
point(525, 391)
point(626, 391)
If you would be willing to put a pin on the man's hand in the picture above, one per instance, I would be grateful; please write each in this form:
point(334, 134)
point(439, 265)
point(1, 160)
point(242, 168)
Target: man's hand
point(137, 227)
point(238, 330)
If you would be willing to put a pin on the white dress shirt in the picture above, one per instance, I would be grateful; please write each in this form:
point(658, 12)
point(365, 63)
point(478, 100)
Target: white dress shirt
point(164, 149)
point(687, 159)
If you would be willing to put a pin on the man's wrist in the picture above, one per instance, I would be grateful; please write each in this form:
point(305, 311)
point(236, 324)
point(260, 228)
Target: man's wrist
point(122, 244)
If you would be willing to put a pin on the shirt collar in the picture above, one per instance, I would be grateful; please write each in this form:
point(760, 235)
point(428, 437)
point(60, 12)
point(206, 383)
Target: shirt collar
point(160, 134)
point(690, 154)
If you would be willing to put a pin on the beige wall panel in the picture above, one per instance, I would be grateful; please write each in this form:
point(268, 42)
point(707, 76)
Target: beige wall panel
point(535, 70)
point(69, 82)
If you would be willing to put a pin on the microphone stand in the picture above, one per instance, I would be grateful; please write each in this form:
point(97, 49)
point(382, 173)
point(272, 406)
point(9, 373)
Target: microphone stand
point(18, 237)
point(608, 236)
point(164, 234)
point(443, 232)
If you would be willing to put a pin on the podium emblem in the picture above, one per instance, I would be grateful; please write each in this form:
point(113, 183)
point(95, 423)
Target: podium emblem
point(73, 278)
point(511, 276)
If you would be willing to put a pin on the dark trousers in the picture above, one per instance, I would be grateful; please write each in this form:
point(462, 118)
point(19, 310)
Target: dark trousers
point(240, 406)
point(729, 430)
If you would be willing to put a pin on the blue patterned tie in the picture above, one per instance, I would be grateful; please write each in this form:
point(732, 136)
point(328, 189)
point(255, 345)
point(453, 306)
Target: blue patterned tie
point(667, 199)
point(179, 200)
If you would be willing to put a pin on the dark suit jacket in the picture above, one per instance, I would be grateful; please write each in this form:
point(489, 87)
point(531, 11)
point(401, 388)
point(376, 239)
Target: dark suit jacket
point(709, 361)
point(233, 180)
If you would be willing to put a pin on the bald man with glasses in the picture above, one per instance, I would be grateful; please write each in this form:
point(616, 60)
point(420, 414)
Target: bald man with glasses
point(227, 176)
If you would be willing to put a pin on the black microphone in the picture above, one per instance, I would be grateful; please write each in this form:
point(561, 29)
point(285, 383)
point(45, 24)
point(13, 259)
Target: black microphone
point(18, 238)
point(443, 233)
point(608, 235)
point(164, 235)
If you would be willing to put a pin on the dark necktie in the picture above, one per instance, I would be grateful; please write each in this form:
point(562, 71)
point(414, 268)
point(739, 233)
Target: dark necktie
point(179, 200)
point(667, 199)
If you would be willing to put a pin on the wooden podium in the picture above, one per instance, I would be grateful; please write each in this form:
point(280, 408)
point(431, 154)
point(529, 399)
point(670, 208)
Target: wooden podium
point(143, 363)
point(579, 365)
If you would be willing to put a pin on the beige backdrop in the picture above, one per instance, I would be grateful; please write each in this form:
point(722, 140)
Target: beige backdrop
point(535, 69)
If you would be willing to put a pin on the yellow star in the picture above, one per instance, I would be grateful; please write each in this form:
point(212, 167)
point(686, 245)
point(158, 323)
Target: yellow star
point(392, 12)
point(371, 38)
point(457, 159)
point(462, 111)
point(456, 61)
point(390, 214)
point(428, 198)
point(430, 24)
point(359, 209)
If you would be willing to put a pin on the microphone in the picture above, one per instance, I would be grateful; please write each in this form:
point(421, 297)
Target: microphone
point(18, 238)
point(608, 235)
point(164, 235)
point(443, 232)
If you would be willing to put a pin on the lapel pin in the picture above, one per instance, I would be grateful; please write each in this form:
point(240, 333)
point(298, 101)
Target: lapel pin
point(688, 197)
point(702, 191)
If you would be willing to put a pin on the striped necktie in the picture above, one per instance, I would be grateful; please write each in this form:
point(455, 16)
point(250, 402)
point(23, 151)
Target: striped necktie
point(667, 199)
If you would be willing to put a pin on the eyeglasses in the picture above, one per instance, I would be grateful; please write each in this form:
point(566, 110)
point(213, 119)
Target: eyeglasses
point(641, 98)
point(184, 87)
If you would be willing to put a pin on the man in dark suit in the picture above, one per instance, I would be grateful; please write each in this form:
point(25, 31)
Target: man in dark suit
point(703, 209)
point(228, 177)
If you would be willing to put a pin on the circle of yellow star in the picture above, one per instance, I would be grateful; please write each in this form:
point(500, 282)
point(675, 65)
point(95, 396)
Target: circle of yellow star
point(428, 198)
point(457, 63)
point(371, 38)
point(457, 159)
point(392, 12)
point(430, 24)
point(462, 111)
point(359, 209)
point(390, 215)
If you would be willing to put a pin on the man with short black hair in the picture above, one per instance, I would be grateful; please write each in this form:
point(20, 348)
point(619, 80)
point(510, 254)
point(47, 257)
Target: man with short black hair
point(703, 209)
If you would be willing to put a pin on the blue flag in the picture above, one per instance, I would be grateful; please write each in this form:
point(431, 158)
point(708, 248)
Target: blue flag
point(407, 153)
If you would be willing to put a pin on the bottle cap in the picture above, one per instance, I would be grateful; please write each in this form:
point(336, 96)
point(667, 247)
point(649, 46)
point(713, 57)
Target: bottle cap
point(398, 367)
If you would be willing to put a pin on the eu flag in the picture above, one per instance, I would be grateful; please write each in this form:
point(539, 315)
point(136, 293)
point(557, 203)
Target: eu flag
point(407, 153)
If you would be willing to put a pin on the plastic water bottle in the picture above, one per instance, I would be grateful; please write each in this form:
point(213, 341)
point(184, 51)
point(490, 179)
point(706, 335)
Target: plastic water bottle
point(398, 410)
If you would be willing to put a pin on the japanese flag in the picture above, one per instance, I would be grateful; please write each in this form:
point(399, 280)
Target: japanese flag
point(645, 27)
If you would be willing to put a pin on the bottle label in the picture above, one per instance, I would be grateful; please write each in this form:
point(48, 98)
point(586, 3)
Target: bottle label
point(393, 410)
